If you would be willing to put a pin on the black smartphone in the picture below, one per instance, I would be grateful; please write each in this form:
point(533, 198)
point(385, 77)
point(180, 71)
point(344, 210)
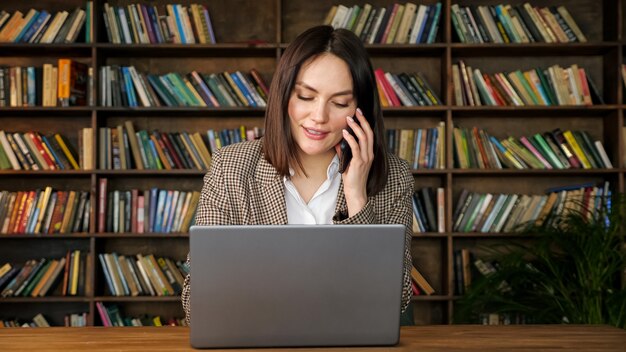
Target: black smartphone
point(346, 152)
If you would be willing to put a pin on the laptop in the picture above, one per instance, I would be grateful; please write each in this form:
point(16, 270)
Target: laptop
point(296, 285)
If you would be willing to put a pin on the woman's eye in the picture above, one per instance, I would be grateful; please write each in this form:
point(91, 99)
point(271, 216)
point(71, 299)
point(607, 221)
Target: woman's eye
point(341, 105)
point(304, 98)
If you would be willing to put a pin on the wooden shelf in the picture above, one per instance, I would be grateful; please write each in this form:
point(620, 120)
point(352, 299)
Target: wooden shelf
point(146, 299)
point(143, 173)
point(255, 36)
point(38, 111)
point(533, 111)
point(533, 49)
point(76, 50)
point(47, 299)
point(47, 173)
point(55, 236)
point(535, 172)
point(431, 298)
point(139, 235)
point(180, 112)
point(187, 50)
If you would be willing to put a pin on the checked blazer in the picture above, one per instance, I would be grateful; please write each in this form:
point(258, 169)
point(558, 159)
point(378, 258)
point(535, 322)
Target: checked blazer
point(242, 188)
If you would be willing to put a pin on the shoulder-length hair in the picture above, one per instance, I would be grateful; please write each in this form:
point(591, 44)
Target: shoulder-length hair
point(279, 145)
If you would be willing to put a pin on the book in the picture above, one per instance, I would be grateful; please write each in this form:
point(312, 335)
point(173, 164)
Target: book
point(420, 280)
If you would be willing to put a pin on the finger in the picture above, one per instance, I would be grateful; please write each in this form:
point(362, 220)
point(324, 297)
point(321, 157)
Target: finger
point(360, 136)
point(365, 124)
point(353, 143)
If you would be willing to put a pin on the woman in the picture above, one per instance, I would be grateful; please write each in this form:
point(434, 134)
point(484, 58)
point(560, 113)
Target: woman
point(323, 85)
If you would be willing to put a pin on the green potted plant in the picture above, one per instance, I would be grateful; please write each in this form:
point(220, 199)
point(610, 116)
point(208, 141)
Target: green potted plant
point(569, 272)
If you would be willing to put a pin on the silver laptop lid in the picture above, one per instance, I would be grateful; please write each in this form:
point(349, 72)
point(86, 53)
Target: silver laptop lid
point(291, 285)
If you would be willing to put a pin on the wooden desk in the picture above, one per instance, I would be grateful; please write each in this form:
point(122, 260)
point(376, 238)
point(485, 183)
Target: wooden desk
point(424, 338)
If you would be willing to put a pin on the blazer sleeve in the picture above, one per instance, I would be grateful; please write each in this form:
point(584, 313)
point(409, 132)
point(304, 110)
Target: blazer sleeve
point(212, 210)
point(395, 208)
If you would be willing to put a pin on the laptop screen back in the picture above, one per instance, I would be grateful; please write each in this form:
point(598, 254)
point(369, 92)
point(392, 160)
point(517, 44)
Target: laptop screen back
point(291, 285)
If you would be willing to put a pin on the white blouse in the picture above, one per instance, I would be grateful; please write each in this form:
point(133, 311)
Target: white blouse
point(321, 207)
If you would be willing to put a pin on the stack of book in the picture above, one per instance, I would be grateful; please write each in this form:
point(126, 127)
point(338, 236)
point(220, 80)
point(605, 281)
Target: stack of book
point(404, 89)
point(110, 316)
point(67, 84)
point(219, 139)
point(505, 213)
point(419, 284)
point(393, 24)
point(44, 212)
point(467, 266)
point(41, 277)
point(551, 86)
point(39, 321)
point(123, 148)
point(429, 210)
point(76, 320)
point(145, 211)
point(124, 86)
point(514, 24)
point(44, 27)
point(422, 148)
point(35, 151)
point(142, 24)
point(72, 320)
point(146, 275)
point(554, 149)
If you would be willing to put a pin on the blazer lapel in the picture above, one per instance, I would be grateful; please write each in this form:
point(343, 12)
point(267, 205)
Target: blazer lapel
point(341, 206)
point(269, 195)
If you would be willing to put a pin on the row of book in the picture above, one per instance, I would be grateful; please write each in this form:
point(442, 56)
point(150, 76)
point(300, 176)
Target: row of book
point(117, 150)
point(35, 151)
point(429, 210)
point(419, 284)
point(393, 24)
point(422, 148)
point(404, 89)
point(146, 275)
point(121, 148)
point(504, 319)
point(227, 136)
point(110, 315)
point(146, 211)
point(468, 266)
point(505, 213)
point(41, 277)
point(44, 212)
point(70, 83)
point(551, 86)
point(124, 86)
point(556, 149)
point(45, 27)
point(522, 23)
point(39, 321)
point(142, 24)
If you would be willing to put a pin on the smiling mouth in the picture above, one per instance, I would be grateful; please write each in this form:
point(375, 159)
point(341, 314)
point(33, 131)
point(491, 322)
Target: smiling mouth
point(314, 132)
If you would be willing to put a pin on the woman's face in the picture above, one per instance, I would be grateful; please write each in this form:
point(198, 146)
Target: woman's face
point(319, 104)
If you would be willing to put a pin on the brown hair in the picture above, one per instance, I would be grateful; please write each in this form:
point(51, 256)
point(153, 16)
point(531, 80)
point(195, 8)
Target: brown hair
point(278, 144)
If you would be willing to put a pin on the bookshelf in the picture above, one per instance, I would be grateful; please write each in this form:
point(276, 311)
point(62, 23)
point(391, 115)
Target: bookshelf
point(255, 36)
